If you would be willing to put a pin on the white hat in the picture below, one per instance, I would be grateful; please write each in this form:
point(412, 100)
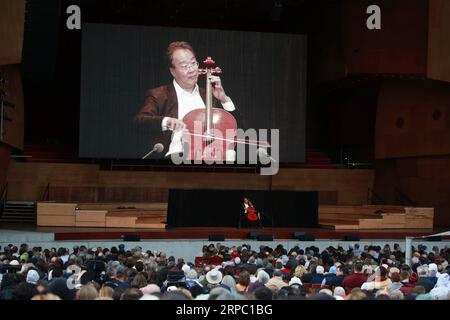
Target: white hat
point(295, 280)
point(14, 263)
point(433, 267)
point(214, 276)
point(32, 276)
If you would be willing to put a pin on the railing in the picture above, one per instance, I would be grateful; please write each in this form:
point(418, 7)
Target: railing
point(403, 198)
point(3, 198)
point(46, 194)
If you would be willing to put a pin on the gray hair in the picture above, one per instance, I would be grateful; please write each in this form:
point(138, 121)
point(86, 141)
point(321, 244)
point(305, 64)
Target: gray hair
point(396, 295)
point(263, 276)
point(192, 274)
point(230, 283)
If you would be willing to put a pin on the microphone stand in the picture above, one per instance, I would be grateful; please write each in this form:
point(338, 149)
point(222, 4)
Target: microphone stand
point(156, 148)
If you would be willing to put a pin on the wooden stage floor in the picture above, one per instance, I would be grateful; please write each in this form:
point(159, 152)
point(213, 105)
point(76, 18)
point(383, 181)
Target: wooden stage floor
point(71, 233)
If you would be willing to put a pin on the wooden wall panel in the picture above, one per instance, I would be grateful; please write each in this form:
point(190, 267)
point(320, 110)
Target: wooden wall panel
point(59, 174)
point(12, 23)
point(5, 156)
point(132, 194)
point(425, 180)
point(399, 47)
point(413, 119)
point(28, 181)
point(351, 186)
point(86, 183)
point(13, 130)
point(439, 40)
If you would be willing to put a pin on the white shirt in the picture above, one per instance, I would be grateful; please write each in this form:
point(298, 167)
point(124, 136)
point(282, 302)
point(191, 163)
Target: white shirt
point(188, 101)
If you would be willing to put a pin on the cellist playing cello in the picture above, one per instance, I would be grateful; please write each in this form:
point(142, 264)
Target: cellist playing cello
point(166, 106)
point(250, 215)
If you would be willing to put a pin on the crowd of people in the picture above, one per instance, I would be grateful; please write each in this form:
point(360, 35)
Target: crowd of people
point(225, 273)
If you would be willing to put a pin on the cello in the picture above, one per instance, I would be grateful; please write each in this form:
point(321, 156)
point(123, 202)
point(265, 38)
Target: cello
point(211, 132)
point(206, 127)
point(252, 214)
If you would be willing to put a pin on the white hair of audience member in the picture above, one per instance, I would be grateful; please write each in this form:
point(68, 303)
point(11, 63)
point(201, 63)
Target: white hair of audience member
point(433, 269)
point(202, 297)
point(149, 297)
point(227, 263)
point(422, 270)
point(339, 291)
point(220, 293)
point(367, 270)
point(326, 291)
point(263, 276)
point(185, 268)
point(380, 292)
point(396, 295)
point(229, 282)
point(441, 290)
point(192, 274)
point(320, 270)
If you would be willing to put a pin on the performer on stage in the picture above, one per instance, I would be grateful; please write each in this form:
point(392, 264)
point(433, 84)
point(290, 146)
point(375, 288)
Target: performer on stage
point(250, 217)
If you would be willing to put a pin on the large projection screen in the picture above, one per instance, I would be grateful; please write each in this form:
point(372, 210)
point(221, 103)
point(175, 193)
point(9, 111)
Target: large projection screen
point(263, 73)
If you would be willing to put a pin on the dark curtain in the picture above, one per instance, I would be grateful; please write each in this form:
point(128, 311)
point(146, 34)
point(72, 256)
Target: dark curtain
point(222, 208)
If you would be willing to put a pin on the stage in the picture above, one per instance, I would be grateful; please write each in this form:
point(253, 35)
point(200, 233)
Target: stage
point(201, 233)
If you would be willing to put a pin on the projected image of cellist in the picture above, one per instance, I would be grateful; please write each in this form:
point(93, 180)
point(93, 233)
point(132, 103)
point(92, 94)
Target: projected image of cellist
point(170, 109)
point(250, 217)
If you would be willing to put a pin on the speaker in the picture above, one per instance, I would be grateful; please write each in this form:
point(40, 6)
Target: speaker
point(298, 234)
point(352, 238)
point(253, 235)
point(306, 237)
point(216, 237)
point(265, 237)
point(131, 237)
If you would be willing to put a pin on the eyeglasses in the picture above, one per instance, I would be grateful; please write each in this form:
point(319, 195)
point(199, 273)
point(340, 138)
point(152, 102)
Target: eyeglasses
point(187, 67)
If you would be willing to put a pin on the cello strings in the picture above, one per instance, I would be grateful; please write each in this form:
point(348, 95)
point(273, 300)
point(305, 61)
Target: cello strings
point(229, 140)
